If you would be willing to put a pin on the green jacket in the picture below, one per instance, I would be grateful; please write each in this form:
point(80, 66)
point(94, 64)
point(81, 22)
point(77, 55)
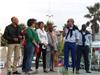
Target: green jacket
point(31, 35)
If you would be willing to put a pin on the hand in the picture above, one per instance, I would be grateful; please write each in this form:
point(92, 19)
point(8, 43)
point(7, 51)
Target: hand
point(37, 46)
point(77, 40)
point(46, 45)
point(15, 39)
point(20, 37)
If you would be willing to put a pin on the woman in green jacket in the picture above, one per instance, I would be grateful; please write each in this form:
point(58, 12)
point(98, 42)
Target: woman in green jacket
point(31, 42)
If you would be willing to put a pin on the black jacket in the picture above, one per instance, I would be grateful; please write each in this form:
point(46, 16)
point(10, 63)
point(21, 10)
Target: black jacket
point(12, 32)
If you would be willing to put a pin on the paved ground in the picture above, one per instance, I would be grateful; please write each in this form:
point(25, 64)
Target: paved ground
point(57, 72)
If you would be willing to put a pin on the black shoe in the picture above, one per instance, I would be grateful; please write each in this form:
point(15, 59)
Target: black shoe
point(16, 72)
point(9, 73)
point(88, 72)
point(52, 70)
point(77, 72)
point(30, 70)
point(73, 70)
point(45, 71)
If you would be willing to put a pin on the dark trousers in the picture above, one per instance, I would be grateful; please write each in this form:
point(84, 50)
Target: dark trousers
point(82, 50)
point(28, 55)
point(67, 47)
point(43, 51)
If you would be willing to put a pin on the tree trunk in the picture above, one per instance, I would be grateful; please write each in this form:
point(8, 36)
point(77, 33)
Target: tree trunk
point(93, 34)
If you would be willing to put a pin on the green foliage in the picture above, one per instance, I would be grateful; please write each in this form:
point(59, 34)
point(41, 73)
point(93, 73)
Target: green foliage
point(91, 10)
point(3, 41)
point(60, 47)
point(94, 16)
point(98, 13)
point(49, 23)
point(88, 15)
point(22, 26)
point(62, 71)
point(45, 27)
point(97, 6)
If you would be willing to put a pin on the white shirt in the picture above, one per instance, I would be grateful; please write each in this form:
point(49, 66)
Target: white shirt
point(88, 38)
point(42, 36)
point(74, 37)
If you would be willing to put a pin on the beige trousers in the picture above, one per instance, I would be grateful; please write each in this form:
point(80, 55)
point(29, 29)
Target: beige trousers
point(13, 50)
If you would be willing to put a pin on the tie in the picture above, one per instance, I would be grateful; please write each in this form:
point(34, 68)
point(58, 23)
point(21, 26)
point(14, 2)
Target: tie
point(69, 32)
point(83, 39)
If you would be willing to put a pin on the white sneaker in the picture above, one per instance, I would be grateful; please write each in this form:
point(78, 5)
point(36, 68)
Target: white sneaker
point(29, 72)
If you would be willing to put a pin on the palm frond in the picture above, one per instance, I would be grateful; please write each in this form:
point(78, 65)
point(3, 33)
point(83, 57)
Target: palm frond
point(97, 6)
point(87, 23)
point(98, 13)
point(91, 10)
point(88, 16)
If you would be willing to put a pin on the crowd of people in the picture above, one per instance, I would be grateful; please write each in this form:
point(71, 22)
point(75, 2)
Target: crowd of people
point(37, 41)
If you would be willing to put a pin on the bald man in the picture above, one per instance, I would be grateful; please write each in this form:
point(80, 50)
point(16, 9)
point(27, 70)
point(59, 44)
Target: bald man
point(13, 35)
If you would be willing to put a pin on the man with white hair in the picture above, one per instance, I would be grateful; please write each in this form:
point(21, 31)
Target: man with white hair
point(71, 38)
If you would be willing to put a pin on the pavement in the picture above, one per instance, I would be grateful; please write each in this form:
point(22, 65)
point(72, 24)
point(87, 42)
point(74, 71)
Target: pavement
point(58, 71)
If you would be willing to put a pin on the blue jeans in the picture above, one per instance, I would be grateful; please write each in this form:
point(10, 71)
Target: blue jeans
point(28, 56)
point(67, 47)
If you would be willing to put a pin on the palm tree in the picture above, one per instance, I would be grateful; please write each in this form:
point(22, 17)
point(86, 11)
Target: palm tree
point(94, 16)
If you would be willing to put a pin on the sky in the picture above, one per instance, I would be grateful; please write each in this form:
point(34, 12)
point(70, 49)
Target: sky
point(39, 9)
